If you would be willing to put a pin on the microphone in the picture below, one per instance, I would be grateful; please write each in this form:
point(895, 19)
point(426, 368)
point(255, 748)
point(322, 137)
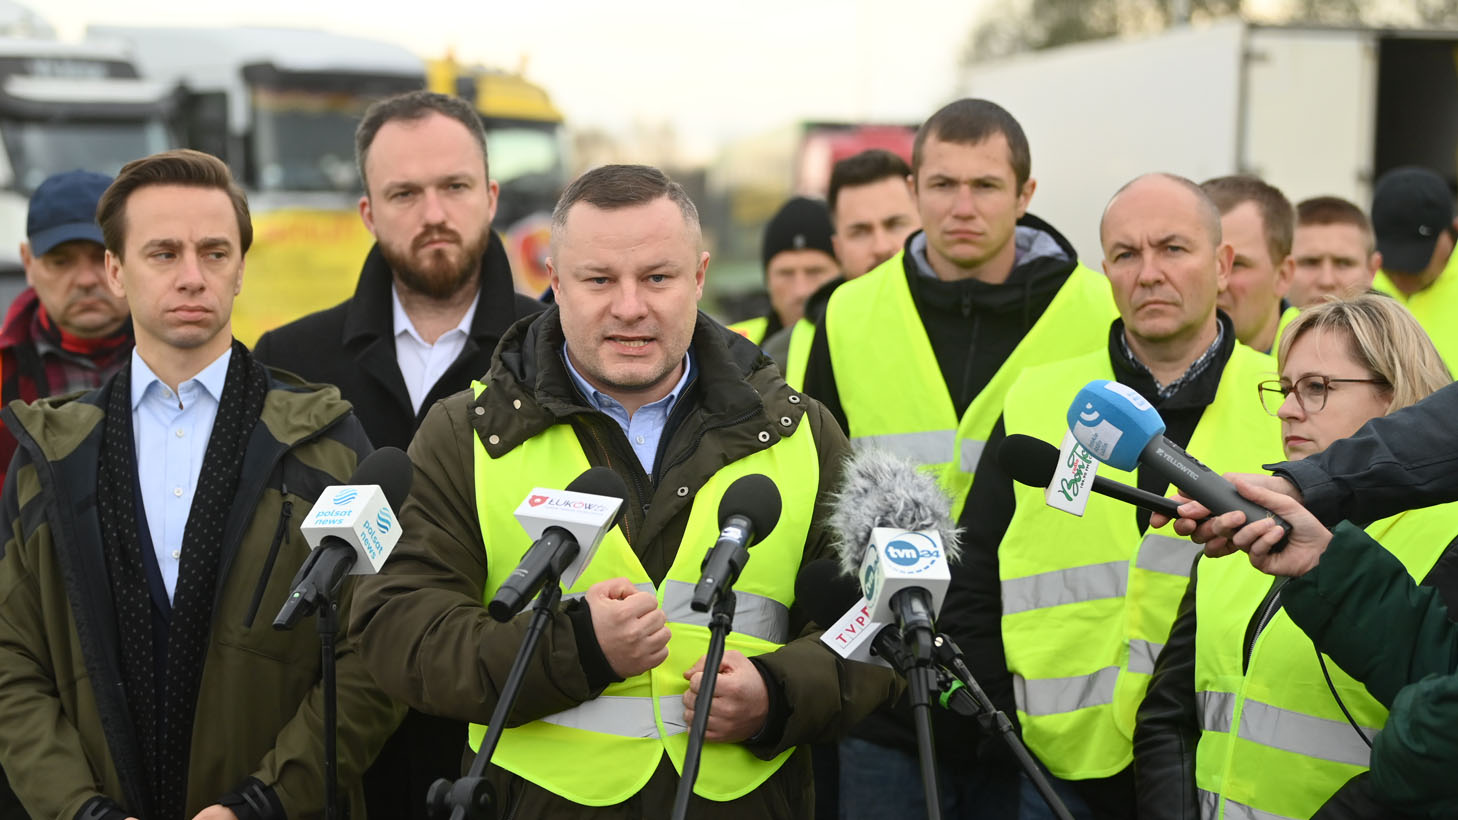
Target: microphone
point(567, 526)
point(894, 528)
point(748, 512)
point(1121, 429)
point(1032, 461)
point(351, 529)
point(833, 600)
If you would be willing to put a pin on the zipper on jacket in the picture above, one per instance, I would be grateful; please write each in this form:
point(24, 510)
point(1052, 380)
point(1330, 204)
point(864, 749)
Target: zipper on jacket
point(1264, 614)
point(636, 475)
point(278, 535)
point(699, 438)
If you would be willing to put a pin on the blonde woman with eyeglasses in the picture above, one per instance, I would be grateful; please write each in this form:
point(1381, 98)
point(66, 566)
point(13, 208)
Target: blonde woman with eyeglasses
point(1244, 718)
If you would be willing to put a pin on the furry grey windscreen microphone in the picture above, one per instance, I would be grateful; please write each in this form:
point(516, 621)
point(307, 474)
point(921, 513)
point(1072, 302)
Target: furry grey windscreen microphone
point(880, 489)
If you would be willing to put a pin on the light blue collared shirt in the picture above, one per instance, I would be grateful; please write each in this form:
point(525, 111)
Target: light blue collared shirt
point(171, 432)
point(645, 427)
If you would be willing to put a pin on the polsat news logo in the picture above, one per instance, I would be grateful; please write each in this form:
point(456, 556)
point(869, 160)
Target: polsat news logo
point(558, 503)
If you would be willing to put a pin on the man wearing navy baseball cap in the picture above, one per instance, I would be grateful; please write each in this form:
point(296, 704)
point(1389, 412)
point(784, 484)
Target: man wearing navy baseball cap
point(1413, 218)
point(65, 332)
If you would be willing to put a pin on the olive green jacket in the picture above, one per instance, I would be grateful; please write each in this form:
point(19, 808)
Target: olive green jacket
point(68, 737)
point(429, 640)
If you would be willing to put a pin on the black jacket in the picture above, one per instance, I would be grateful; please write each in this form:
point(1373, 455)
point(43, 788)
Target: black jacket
point(972, 326)
point(352, 346)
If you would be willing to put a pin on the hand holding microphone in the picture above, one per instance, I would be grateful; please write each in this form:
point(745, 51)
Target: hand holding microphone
point(1292, 552)
point(1121, 429)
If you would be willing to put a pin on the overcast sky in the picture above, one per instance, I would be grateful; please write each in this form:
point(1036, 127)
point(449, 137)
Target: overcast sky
point(714, 70)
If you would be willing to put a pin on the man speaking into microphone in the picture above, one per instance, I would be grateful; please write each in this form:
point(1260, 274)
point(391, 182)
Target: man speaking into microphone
point(623, 373)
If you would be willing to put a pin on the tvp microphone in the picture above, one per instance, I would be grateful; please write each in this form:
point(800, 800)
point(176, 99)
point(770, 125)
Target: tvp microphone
point(567, 526)
point(895, 533)
point(350, 530)
point(1032, 461)
point(748, 512)
point(833, 600)
point(1124, 431)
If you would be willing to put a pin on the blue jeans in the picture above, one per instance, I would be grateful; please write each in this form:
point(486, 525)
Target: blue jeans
point(881, 783)
point(1034, 807)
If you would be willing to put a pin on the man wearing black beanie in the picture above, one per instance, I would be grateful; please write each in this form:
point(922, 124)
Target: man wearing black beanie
point(798, 258)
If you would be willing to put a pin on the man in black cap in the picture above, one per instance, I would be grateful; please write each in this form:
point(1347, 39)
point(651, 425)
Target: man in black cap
point(65, 332)
point(1413, 217)
point(799, 257)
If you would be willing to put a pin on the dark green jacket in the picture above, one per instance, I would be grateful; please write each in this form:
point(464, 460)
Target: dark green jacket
point(1360, 606)
point(429, 641)
point(68, 738)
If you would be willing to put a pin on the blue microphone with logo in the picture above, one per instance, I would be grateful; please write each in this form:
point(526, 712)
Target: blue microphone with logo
point(1121, 429)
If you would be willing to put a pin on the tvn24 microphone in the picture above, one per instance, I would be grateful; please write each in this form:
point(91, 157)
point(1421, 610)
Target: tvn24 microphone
point(567, 526)
point(1121, 429)
point(350, 530)
point(1032, 461)
point(894, 527)
point(748, 512)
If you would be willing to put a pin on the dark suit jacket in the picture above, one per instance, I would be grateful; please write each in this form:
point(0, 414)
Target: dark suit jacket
point(352, 346)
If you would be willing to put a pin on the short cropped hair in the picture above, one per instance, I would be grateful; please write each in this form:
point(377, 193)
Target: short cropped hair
point(1384, 337)
point(413, 106)
point(1333, 210)
point(1277, 216)
point(611, 187)
point(870, 165)
point(970, 121)
point(182, 166)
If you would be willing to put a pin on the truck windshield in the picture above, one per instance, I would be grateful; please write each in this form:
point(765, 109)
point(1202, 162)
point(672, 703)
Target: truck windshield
point(39, 149)
point(519, 151)
point(304, 140)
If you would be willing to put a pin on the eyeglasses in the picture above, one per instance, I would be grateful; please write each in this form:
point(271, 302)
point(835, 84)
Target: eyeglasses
point(1311, 392)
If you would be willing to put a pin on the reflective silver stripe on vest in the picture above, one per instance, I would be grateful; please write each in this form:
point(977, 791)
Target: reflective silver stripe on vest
point(1167, 554)
point(1306, 735)
point(1055, 696)
point(622, 716)
point(1210, 803)
point(972, 453)
point(1142, 655)
point(754, 615)
point(931, 447)
point(1217, 710)
point(572, 596)
point(1065, 586)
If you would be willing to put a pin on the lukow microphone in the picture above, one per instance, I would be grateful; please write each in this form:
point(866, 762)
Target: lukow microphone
point(350, 530)
point(748, 512)
point(1032, 461)
point(1121, 429)
point(895, 533)
point(567, 525)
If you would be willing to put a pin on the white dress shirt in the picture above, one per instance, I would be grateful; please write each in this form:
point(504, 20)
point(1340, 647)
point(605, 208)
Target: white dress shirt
point(422, 363)
point(171, 432)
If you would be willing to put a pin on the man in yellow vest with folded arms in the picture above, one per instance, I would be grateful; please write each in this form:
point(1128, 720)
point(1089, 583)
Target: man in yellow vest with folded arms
point(624, 372)
point(1067, 614)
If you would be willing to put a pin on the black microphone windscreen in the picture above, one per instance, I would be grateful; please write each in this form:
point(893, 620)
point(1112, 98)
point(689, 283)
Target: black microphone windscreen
point(824, 592)
point(1030, 461)
point(602, 481)
point(389, 469)
point(755, 497)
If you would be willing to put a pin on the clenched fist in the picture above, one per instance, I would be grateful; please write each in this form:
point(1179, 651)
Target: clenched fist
point(631, 629)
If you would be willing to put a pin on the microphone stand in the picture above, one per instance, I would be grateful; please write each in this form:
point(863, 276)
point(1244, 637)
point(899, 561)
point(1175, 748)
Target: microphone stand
point(323, 599)
point(921, 681)
point(991, 718)
point(471, 797)
point(721, 617)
